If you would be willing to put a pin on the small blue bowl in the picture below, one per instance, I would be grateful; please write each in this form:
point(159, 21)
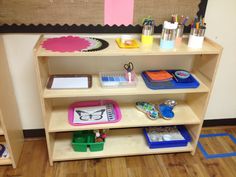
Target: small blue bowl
point(182, 74)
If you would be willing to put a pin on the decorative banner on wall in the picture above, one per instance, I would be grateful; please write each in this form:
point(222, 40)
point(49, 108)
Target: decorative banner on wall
point(51, 12)
point(91, 16)
point(118, 12)
point(161, 10)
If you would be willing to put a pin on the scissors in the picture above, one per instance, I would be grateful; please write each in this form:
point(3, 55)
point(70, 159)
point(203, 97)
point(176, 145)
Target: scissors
point(129, 67)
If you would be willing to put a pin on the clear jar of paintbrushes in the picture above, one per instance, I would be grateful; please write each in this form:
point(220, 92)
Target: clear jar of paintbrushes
point(147, 34)
point(148, 30)
point(168, 35)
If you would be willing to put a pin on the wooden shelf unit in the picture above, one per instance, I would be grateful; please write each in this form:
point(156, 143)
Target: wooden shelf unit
point(190, 111)
point(10, 125)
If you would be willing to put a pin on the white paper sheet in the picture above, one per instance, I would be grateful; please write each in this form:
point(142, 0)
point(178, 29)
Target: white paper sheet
point(92, 114)
point(70, 83)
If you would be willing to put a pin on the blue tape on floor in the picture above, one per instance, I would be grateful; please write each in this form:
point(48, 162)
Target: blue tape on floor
point(211, 156)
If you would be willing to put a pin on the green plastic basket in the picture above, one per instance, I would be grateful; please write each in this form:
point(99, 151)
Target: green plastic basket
point(98, 146)
point(83, 139)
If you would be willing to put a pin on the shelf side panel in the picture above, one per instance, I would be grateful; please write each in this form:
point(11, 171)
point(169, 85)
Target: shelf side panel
point(42, 73)
point(204, 66)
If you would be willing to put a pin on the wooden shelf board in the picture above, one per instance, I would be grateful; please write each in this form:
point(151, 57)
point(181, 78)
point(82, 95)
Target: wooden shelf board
point(140, 89)
point(207, 82)
point(122, 142)
point(114, 50)
point(131, 117)
point(5, 161)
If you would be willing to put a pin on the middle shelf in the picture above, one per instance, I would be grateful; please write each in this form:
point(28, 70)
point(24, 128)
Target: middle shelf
point(131, 117)
point(140, 89)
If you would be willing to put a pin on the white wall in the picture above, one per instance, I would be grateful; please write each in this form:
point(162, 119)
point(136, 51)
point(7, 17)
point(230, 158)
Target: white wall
point(221, 24)
point(19, 51)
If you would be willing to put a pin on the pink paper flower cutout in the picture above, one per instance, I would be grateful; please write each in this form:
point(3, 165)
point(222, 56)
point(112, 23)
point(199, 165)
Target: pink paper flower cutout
point(66, 44)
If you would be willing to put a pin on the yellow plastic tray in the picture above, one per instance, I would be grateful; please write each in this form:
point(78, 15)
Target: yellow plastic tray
point(134, 44)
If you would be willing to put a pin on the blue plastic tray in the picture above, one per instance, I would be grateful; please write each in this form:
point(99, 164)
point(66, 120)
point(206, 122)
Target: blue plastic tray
point(169, 84)
point(175, 143)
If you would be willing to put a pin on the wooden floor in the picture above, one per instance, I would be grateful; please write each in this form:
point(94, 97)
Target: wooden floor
point(34, 163)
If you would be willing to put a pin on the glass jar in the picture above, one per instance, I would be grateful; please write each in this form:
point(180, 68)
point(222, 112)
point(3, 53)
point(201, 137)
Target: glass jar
point(168, 35)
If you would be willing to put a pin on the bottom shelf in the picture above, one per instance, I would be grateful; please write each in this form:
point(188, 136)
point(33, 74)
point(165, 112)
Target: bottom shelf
point(120, 142)
point(6, 161)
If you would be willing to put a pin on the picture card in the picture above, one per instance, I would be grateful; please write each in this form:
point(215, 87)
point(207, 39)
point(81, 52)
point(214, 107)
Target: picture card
point(92, 114)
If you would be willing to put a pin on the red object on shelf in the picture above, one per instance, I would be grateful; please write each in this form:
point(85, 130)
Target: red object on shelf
point(161, 75)
point(66, 44)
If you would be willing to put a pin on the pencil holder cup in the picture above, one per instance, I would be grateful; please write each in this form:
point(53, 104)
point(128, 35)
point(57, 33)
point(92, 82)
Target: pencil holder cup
point(168, 38)
point(147, 34)
point(168, 35)
point(196, 38)
point(179, 34)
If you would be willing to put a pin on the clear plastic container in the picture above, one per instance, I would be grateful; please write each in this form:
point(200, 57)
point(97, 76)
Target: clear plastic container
point(168, 35)
point(117, 79)
point(179, 35)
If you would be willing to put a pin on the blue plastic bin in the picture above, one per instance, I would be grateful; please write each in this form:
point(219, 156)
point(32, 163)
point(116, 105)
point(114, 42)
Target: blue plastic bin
point(175, 143)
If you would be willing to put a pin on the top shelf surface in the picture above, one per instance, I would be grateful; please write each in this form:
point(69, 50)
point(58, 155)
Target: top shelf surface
point(209, 47)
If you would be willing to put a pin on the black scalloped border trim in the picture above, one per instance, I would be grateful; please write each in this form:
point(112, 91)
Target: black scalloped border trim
point(31, 28)
point(5, 28)
point(202, 8)
point(104, 45)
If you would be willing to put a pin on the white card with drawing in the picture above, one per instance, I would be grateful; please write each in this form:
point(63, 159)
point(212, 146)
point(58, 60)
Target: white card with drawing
point(92, 114)
point(70, 83)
